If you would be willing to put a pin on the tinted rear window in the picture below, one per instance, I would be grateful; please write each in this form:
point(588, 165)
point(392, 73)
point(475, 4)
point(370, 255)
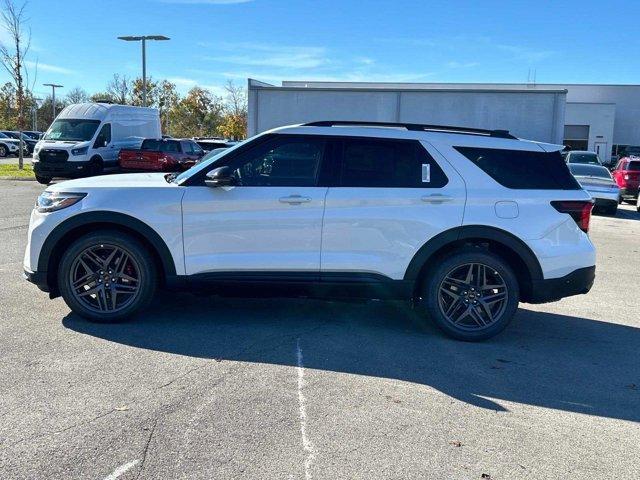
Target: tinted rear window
point(523, 169)
point(589, 158)
point(389, 164)
point(589, 170)
point(160, 145)
point(635, 166)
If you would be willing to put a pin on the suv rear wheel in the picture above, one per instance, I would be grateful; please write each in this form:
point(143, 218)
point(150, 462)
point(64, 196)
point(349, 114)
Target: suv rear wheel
point(471, 295)
point(106, 276)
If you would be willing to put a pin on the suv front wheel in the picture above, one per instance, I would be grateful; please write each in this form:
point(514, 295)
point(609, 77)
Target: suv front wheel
point(471, 294)
point(106, 276)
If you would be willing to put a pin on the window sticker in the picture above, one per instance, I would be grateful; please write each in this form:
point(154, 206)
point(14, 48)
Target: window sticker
point(426, 173)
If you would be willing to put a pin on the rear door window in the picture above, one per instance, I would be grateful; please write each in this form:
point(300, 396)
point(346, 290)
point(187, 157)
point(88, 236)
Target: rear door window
point(523, 169)
point(388, 164)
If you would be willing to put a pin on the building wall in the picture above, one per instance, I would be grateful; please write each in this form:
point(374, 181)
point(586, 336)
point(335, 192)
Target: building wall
point(600, 119)
point(626, 99)
point(536, 115)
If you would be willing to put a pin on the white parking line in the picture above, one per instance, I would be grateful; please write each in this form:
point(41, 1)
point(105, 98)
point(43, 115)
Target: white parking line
point(302, 407)
point(122, 469)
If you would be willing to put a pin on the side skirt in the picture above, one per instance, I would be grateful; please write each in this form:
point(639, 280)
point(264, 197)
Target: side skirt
point(338, 285)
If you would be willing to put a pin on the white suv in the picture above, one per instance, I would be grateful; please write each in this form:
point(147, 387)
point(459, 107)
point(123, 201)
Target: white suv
point(464, 223)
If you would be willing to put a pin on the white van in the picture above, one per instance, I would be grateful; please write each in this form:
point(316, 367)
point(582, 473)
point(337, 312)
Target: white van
point(86, 138)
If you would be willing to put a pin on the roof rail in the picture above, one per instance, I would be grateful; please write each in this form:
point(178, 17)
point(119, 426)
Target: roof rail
point(415, 127)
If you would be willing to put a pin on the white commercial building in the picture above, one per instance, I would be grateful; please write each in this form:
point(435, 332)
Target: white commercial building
point(601, 118)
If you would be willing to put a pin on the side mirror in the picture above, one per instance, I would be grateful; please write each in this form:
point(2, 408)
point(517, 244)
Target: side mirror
point(220, 177)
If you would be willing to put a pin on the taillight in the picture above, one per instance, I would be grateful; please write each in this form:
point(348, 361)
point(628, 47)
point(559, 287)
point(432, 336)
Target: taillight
point(580, 211)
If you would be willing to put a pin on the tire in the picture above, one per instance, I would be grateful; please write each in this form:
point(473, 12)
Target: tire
point(96, 167)
point(473, 323)
point(43, 180)
point(3, 151)
point(81, 262)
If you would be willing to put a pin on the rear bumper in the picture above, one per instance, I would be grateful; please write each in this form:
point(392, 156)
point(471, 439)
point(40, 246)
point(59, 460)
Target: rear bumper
point(629, 192)
point(575, 283)
point(61, 169)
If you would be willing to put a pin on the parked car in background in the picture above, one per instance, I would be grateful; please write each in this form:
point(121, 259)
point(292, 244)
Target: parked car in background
point(10, 146)
point(582, 156)
point(627, 176)
point(85, 139)
point(28, 141)
point(211, 154)
point(599, 183)
point(463, 223)
point(209, 144)
point(33, 134)
point(161, 155)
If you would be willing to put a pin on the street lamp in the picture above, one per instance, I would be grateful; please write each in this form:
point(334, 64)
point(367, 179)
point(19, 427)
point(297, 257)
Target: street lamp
point(53, 96)
point(144, 39)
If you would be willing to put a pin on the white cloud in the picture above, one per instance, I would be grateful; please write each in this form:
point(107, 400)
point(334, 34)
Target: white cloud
point(455, 64)
point(184, 84)
point(45, 67)
point(278, 56)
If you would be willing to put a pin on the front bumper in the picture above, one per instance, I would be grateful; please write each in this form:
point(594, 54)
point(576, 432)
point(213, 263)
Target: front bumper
point(61, 169)
point(37, 278)
point(577, 282)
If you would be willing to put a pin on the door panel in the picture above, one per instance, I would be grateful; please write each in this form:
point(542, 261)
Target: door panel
point(271, 221)
point(379, 229)
point(251, 229)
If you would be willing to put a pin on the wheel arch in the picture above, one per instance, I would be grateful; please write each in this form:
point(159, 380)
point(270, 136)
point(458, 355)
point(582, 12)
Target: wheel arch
point(500, 242)
point(53, 247)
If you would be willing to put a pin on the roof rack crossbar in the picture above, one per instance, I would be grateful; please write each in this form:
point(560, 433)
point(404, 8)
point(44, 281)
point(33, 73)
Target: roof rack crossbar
point(415, 127)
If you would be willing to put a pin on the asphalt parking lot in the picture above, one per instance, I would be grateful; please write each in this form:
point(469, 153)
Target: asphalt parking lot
point(211, 388)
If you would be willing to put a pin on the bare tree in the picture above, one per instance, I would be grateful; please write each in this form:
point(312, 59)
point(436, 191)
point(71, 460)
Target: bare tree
point(13, 20)
point(76, 95)
point(120, 88)
point(236, 99)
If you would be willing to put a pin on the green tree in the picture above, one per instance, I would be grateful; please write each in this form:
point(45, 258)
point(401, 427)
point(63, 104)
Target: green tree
point(197, 114)
point(152, 92)
point(168, 99)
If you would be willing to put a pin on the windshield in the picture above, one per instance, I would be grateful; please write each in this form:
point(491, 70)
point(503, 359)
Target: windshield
point(205, 164)
point(589, 171)
point(588, 158)
point(4, 135)
point(80, 130)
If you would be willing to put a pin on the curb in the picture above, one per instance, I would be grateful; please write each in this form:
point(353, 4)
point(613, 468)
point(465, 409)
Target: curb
point(19, 179)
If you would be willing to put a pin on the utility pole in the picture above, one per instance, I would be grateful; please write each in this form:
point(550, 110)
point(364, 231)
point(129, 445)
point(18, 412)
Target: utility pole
point(144, 39)
point(53, 96)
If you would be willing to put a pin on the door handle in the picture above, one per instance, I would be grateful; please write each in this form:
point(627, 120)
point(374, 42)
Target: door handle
point(294, 199)
point(436, 198)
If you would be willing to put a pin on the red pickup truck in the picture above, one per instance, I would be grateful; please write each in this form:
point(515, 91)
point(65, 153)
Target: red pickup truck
point(161, 155)
point(627, 176)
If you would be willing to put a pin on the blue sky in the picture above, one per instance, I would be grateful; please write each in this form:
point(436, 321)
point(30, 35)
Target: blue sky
point(74, 41)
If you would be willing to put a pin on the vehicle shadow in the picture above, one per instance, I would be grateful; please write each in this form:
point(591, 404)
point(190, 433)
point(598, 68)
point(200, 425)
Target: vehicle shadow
point(548, 360)
point(627, 214)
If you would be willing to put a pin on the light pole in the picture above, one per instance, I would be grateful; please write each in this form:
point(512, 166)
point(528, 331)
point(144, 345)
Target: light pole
point(53, 96)
point(144, 39)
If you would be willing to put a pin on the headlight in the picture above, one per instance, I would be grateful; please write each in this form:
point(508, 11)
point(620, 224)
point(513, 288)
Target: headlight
point(52, 201)
point(80, 151)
